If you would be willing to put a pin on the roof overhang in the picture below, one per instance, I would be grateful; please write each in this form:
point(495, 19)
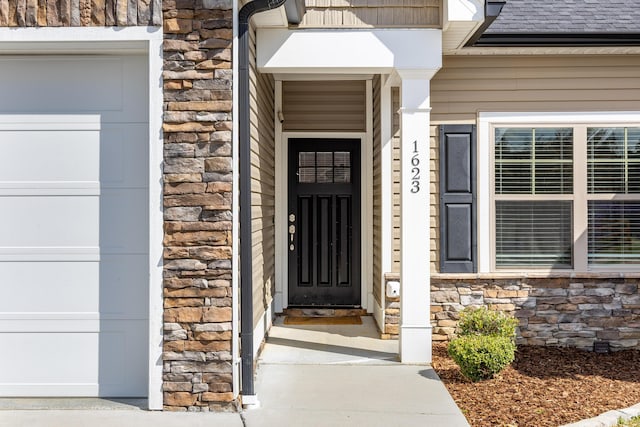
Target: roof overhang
point(461, 20)
point(492, 9)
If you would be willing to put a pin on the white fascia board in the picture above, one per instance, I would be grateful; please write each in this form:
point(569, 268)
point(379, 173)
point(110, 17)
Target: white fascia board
point(463, 10)
point(85, 34)
point(376, 51)
point(54, 40)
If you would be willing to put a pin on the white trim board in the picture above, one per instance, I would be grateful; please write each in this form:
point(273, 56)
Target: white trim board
point(78, 40)
point(96, 40)
point(348, 51)
point(281, 297)
point(366, 247)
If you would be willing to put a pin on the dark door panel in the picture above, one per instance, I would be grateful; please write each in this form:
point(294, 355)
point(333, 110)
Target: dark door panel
point(324, 222)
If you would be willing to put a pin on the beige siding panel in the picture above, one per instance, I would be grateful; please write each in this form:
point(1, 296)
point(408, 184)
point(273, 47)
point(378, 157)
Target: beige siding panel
point(377, 193)
point(468, 85)
point(395, 154)
point(332, 18)
point(359, 16)
point(314, 15)
point(262, 132)
point(434, 220)
point(372, 13)
point(324, 106)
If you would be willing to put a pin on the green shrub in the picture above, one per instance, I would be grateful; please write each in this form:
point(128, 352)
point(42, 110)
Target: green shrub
point(480, 321)
point(481, 357)
point(485, 344)
point(632, 422)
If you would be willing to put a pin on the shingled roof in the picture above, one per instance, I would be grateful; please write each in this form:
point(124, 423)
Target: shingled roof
point(566, 20)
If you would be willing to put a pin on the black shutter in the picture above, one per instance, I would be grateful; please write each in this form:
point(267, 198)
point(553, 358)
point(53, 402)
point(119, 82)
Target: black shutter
point(458, 199)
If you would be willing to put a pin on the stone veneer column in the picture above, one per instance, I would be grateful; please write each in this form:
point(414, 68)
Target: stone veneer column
point(197, 373)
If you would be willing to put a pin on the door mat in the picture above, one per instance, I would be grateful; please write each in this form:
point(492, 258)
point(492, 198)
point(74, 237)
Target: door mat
point(340, 320)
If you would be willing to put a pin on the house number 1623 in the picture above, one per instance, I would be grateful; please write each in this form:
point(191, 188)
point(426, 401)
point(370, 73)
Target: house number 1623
point(415, 169)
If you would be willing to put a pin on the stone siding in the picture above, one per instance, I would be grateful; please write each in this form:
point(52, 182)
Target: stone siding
point(552, 311)
point(391, 318)
point(80, 13)
point(391, 328)
point(197, 205)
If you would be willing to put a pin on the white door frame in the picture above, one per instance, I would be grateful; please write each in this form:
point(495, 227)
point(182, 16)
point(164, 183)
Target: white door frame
point(101, 40)
point(281, 297)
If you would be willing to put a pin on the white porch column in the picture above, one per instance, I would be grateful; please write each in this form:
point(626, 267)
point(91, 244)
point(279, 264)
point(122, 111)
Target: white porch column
point(415, 303)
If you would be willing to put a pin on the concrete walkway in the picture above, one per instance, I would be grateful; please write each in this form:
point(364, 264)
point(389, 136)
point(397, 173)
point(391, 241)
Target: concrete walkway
point(345, 376)
point(308, 376)
point(115, 418)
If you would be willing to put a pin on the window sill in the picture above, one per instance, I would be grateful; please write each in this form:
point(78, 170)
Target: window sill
point(538, 275)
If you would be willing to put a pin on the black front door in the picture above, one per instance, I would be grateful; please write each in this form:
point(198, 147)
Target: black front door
point(323, 222)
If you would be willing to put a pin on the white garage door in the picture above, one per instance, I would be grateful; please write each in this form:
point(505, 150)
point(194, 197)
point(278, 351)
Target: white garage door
point(73, 226)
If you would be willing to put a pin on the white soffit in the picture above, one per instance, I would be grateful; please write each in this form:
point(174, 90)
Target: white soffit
point(271, 18)
point(348, 51)
point(461, 19)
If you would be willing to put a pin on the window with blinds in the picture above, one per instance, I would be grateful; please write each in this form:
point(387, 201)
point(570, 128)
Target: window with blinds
point(550, 180)
point(534, 234)
point(613, 171)
point(534, 161)
point(530, 165)
point(614, 232)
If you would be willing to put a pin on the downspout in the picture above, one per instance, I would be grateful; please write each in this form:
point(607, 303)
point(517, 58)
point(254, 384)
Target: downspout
point(244, 125)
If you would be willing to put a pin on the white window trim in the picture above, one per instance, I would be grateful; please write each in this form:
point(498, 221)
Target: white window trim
point(486, 122)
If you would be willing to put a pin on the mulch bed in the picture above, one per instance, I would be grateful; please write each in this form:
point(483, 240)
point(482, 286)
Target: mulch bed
point(545, 386)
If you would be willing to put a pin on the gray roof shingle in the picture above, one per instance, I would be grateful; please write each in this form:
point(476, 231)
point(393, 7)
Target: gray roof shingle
point(567, 17)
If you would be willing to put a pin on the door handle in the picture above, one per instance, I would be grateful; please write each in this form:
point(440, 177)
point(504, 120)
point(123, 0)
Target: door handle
point(292, 231)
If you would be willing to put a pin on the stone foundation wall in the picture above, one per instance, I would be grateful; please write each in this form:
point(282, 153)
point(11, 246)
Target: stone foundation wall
point(557, 311)
point(197, 205)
